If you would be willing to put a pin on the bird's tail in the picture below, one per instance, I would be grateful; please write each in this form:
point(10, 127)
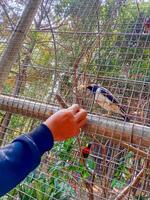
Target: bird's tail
point(124, 115)
point(126, 118)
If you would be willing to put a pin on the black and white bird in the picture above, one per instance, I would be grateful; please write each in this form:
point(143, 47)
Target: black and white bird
point(106, 100)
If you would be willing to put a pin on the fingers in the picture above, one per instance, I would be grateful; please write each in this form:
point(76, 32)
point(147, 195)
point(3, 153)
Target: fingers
point(81, 115)
point(82, 123)
point(74, 108)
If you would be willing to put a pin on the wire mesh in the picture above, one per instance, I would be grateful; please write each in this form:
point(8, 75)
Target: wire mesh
point(70, 45)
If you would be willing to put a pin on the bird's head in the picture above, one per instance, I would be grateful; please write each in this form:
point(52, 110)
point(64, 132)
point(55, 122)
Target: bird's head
point(89, 145)
point(86, 150)
point(93, 88)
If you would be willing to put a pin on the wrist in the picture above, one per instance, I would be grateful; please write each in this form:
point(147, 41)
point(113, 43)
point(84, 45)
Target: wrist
point(43, 138)
point(52, 128)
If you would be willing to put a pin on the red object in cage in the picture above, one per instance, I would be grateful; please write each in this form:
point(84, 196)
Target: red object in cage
point(86, 150)
point(147, 26)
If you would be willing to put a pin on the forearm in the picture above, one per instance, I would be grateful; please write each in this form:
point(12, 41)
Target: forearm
point(23, 155)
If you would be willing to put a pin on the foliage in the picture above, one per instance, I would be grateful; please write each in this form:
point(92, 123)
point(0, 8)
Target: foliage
point(43, 188)
point(122, 174)
point(112, 50)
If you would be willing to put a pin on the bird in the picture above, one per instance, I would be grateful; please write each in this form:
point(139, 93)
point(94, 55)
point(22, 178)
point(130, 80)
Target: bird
point(86, 150)
point(106, 100)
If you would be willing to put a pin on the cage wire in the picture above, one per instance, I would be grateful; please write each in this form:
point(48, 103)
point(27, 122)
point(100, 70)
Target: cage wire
point(70, 45)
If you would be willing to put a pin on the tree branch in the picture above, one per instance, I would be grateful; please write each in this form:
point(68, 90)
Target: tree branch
point(132, 184)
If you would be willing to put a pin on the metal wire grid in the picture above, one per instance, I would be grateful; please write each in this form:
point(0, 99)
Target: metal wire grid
point(132, 89)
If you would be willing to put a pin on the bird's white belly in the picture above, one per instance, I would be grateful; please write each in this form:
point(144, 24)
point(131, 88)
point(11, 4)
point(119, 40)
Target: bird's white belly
point(105, 103)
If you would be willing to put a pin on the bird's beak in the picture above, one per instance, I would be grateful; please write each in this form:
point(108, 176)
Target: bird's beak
point(86, 145)
point(89, 87)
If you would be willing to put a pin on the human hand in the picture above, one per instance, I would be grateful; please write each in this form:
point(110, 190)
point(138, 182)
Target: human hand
point(66, 123)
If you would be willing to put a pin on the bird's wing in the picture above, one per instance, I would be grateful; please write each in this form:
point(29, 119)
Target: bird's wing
point(106, 93)
point(109, 95)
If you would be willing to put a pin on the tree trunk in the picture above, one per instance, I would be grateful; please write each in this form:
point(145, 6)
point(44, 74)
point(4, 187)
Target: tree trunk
point(16, 40)
point(20, 83)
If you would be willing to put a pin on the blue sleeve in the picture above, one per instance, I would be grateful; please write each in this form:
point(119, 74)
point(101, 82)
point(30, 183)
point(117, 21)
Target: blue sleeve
point(23, 155)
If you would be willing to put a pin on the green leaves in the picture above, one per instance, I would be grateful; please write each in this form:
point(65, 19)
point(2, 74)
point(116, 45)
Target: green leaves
point(64, 149)
point(91, 164)
point(122, 173)
point(44, 188)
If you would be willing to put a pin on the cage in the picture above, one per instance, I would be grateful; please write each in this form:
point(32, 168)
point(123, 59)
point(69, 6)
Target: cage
point(51, 52)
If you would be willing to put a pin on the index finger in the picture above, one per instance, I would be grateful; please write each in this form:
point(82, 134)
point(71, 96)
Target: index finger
point(81, 115)
point(74, 108)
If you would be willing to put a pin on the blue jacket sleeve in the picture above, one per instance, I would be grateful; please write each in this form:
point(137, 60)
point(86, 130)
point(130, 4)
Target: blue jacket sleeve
point(23, 155)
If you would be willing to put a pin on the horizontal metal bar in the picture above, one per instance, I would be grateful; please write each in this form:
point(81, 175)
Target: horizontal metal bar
point(98, 125)
point(90, 33)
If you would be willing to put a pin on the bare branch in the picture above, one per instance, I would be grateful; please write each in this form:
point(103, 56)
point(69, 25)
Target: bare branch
point(6, 13)
point(10, 54)
point(132, 184)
